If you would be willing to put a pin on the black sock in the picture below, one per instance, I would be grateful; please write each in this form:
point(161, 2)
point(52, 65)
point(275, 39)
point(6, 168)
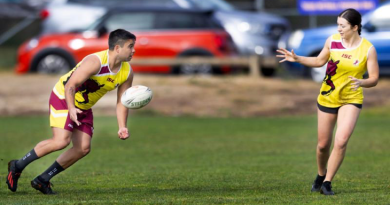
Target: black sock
point(320, 179)
point(26, 160)
point(53, 170)
point(321, 176)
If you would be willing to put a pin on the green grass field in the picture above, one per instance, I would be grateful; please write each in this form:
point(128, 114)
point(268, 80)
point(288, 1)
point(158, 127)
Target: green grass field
point(187, 160)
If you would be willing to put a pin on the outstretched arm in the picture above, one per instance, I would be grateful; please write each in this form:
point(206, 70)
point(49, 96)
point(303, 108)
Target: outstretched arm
point(89, 66)
point(122, 111)
point(313, 62)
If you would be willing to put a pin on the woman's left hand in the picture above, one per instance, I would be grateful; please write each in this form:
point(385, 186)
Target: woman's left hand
point(356, 83)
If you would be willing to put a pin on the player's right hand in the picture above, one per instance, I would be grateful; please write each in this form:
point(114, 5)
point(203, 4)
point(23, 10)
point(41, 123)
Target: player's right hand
point(287, 55)
point(73, 115)
point(123, 133)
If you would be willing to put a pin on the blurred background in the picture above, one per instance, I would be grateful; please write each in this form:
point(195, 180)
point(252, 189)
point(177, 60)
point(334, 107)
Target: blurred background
point(233, 38)
point(226, 125)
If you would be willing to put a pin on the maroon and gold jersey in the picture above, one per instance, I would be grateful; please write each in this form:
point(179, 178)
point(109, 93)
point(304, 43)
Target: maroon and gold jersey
point(97, 85)
point(343, 62)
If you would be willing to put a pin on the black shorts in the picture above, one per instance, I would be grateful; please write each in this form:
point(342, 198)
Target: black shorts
point(335, 110)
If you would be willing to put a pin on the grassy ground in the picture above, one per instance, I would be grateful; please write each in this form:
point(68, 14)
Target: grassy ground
point(203, 161)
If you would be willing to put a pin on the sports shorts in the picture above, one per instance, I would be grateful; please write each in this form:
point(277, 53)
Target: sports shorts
point(335, 110)
point(59, 117)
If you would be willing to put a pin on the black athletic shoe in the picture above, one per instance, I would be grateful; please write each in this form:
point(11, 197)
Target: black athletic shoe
point(13, 176)
point(317, 183)
point(326, 188)
point(45, 188)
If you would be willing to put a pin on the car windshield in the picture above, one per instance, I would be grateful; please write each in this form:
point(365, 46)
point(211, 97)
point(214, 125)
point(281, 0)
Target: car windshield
point(377, 14)
point(137, 21)
point(211, 4)
point(202, 4)
point(11, 1)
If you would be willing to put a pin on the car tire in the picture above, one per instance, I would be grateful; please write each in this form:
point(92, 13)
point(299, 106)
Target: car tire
point(191, 69)
point(268, 72)
point(53, 62)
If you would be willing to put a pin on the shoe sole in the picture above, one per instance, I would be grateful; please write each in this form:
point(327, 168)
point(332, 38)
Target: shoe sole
point(322, 192)
point(37, 186)
point(314, 189)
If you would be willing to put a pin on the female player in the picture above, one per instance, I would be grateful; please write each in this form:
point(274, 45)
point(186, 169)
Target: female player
point(340, 101)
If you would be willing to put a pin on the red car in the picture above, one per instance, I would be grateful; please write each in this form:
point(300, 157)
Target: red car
point(162, 33)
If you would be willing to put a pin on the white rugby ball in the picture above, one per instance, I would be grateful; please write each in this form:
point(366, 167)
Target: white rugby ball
point(136, 97)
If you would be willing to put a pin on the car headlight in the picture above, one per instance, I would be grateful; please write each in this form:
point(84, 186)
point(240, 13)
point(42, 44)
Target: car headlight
point(250, 27)
point(76, 44)
point(295, 39)
point(32, 44)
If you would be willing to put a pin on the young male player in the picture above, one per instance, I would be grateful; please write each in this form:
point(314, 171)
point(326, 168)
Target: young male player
point(71, 116)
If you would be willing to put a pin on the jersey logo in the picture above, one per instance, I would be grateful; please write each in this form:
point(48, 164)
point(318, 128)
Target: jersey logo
point(346, 56)
point(89, 86)
point(330, 71)
point(356, 63)
point(110, 80)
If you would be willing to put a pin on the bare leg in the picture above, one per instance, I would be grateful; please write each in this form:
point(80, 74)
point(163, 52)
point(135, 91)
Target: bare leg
point(61, 139)
point(326, 123)
point(347, 118)
point(81, 147)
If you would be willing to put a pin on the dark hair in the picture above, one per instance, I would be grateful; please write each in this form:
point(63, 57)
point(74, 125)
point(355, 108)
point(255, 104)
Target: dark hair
point(353, 17)
point(118, 37)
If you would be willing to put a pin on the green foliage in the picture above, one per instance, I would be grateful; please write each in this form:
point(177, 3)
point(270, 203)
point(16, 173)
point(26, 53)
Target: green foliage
point(8, 59)
point(190, 160)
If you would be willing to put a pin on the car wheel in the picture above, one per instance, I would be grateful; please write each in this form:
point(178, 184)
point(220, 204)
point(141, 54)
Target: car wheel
point(190, 68)
point(53, 64)
point(318, 74)
point(268, 72)
point(203, 69)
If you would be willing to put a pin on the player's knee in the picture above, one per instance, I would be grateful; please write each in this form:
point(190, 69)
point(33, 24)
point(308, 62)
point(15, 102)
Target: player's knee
point(340, 144)
point(323, 147)
point(84, 151)
point(61, 143)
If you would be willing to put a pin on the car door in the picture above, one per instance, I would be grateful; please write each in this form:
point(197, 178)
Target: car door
point(142, 24)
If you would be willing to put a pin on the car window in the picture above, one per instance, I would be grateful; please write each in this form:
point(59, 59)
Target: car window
point(131, 21)
point(212, 4)
point(10, 1)
point(166, 3)
point(202, 4)
point(380, 18)
point(167, 20)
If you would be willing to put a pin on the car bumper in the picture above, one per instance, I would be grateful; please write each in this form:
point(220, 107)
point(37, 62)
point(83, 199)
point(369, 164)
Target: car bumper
point(23, 61)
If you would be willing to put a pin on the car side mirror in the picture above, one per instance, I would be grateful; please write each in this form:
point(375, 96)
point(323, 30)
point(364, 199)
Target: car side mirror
point(369, 27)
point(102, 31)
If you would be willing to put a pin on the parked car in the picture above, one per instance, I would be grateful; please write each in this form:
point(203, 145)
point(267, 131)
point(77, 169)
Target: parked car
point(309, 42)
point(164, 33)
point(254, 33)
